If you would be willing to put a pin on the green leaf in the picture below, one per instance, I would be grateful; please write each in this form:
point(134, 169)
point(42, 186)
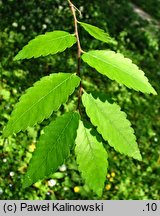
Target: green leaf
point(97, 33)
point(53, 148)
point(112, 124)
point(39, 101)
point(91, 157)
point(49, 43)
point(118, 68)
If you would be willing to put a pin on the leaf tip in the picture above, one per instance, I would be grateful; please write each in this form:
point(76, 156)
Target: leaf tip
point(137, 156)
point(26, 181)
point(5, 132)
point(99, 192)
point(16, 58)
point(154, 92)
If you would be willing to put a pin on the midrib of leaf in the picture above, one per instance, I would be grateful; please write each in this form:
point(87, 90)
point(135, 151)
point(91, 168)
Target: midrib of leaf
point(99, 34)
point(113, 125)
point(55, 146)
point(49, 40)
point(40, 100)
point(89, 141)
point(130, 74)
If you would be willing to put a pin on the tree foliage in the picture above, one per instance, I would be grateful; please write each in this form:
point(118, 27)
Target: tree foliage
point(118, 68)
point(38, 104)
point(90, 148)
point(49, 43)
point(116, 129)
point(48, 94)
point(53, 147)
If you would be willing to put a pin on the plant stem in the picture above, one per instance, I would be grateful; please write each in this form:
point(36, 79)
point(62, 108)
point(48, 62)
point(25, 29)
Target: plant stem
point(79, 51)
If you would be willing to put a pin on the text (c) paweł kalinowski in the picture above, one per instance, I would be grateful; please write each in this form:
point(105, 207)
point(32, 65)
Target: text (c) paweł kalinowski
point(61, 207)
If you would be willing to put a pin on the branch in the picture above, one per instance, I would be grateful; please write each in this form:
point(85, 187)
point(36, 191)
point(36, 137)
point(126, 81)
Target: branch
point(79, 50)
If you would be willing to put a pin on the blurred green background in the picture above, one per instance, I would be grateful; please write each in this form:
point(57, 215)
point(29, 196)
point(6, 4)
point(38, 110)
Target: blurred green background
point(136, 27)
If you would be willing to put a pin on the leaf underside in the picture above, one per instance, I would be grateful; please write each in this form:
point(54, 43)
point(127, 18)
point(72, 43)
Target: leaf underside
point(91, 158)
point(112, 124)
point(49, 43)
point(118, 68)
point(39, 101)
point(97, 33)
point(53, 148)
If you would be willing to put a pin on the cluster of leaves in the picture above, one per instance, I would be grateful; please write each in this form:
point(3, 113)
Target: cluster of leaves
point(48, 94)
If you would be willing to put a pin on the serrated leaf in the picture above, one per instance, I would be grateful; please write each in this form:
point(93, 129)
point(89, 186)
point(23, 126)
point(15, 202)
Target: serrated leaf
point(53, 148)
point(118, 68)
point(91, 158)
point(39, 101)
point(49, 43)
point(97, 33)
point(112, 124)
